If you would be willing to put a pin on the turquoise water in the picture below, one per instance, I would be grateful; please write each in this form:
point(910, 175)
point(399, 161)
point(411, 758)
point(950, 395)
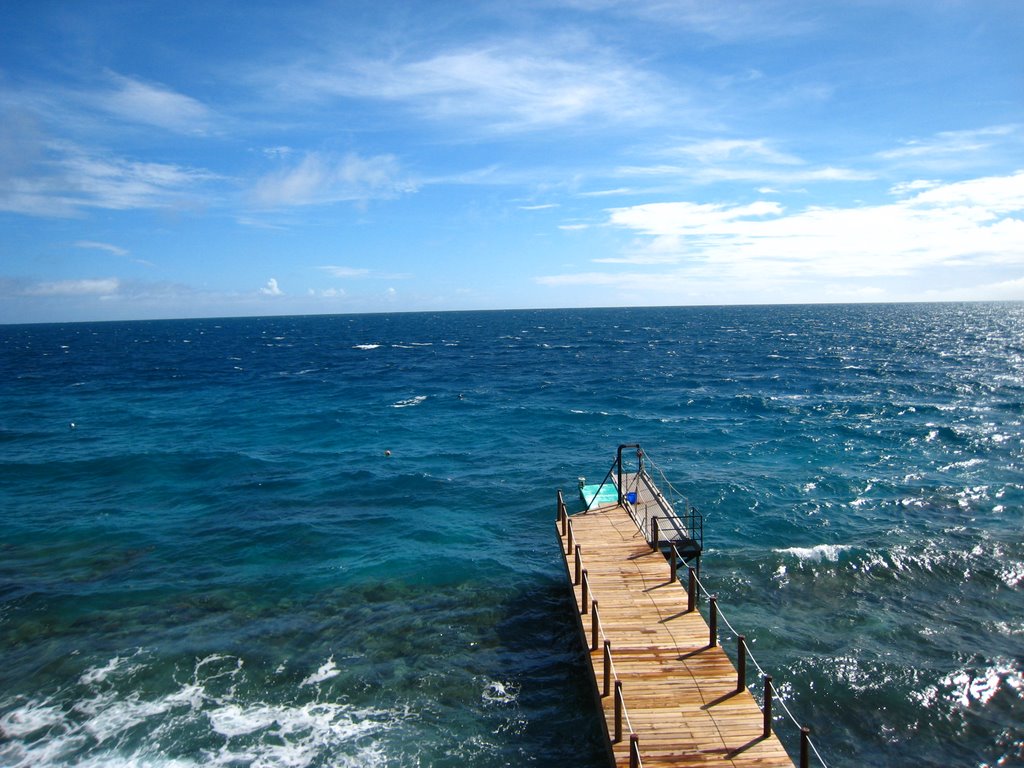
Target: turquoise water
point(218, 564)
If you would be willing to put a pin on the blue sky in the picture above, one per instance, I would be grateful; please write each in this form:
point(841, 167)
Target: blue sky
point(184, 159)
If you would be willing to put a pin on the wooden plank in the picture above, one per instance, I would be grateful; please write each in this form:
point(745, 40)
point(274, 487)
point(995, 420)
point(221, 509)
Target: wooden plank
point(679, 694)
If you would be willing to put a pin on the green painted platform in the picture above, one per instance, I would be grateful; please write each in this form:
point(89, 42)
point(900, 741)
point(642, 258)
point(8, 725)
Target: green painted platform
point(593, 497)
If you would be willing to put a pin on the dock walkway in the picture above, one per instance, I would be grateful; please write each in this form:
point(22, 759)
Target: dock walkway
point(675, 692)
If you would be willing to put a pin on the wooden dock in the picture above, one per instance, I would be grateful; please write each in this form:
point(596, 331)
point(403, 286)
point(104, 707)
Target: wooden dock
point(677, 696)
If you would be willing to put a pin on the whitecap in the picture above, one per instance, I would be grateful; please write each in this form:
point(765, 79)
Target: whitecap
point(1012, 575)
point(95, 675)
point(366, 346)
point(45, 733)
point(496, 692)
point(326, 671)
point(829, 552)
point(409, 402)
point(29, 718)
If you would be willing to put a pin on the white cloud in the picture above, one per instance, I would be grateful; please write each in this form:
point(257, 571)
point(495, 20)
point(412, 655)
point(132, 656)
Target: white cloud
point(977, 223)
point(694, 219)
point(952, 143)
point(504, 87)
point(102, 287)
point(724, 150)
point(733, 21)
point(345, 271)
point(91, 244)
point(320, 179)
point(749, 172)
point(136, 101)
point(271, 288)
point(68, 178)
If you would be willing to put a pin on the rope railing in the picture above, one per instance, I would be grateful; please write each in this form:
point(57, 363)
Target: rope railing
point(771, 692)
point(694, 589)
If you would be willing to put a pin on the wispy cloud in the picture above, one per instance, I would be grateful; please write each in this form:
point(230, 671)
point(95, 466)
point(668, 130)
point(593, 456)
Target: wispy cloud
point(320, 178)
point(93, 245)
point(66, 178)
point(503, 87)
point(362, 272)
point(727, 159)
point(138, 102)
point(335, 271)
point(734, 21)
point(949, 151)
point(730, 150)
point(101, 287)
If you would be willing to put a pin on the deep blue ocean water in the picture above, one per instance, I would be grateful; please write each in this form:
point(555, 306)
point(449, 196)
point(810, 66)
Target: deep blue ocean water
point(218, 564)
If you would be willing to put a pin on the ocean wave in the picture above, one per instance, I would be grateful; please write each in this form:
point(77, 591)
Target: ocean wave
point(366, 346)
point(818, 553)
point(326, 671)
point(972, 686)
point(496, 692)
point(409, 402)
point(100, 723)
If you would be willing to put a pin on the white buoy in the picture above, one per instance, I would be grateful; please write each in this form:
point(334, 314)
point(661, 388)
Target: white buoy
point(71, 425)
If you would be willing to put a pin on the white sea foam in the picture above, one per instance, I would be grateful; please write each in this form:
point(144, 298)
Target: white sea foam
point(496, 692)
point(94, 731)
point(31, 717)
point(969, 687)
point(816, 554)
point(409, 402)
point(366, 346)
point(1012, 575)
point(327, 670)
point(99, 674)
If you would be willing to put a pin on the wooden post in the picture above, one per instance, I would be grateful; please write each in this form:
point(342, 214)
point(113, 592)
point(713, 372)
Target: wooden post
point(634, 751)
point(607, 667)
point(654, 532)
point(568, 550)
point(595, 625)
point(713, 622)
point(579, 561)
point(767, 706)
point(691, 592)
point(586, 592)
point(741, 663)
point(805, 746)
point(674, 563)
point(618, 711)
